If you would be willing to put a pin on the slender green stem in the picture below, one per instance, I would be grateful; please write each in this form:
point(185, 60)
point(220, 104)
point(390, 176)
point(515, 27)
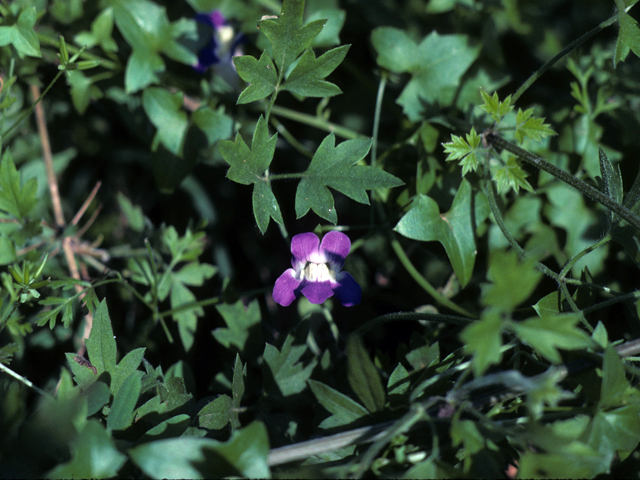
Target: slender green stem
point(285, 176)
point(612, 301)
point(497, 215)
point(22, 379)
point(420, 280)
point(376, 117)
point(572, 261)
point(580, 185)
point(282, 130)
point(568, 49)
point(314, 121)
point(27, 112)
point(574, 306)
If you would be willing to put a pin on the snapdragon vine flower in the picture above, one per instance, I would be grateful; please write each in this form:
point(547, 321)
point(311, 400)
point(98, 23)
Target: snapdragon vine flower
point(316, 271)
point(221, 48)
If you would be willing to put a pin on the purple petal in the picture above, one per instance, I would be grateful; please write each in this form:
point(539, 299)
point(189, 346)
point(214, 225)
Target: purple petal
point(317, 292)
point(336, 246)
point(304, 248)
point(285, 288)
point(214, 19)
point(348, 292)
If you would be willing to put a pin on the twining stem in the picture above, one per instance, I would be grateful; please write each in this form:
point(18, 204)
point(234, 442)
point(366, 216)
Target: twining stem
point(20, 378)
point(423, 282)
point(568, 49)
point(27, 112)
point(580, 185)
point(572, 261)
point(497, 215)
point(376, 117)
point(314, 121)
point(413, 316)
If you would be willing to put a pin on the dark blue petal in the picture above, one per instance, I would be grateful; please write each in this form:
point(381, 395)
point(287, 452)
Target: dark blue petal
point(348, 292)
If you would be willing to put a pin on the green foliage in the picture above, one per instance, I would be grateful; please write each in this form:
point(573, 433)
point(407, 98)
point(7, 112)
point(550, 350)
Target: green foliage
point(244, 454)
point(146, 28)
point(512, 348)
point(16, 199)
point(343, 409)
point(453, 229)
point(336, 167)
point(436, 65)
point(363, 376)
point(19, 32)
point(248, 166)
point(286, 366)
point(240, 320)
point(464, 150)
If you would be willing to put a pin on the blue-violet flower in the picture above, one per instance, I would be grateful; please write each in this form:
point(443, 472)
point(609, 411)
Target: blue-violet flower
point(223, 46)
point(316, 271)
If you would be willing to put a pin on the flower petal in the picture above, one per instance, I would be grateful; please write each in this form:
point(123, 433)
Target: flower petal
point(214, 19)
point(336, 246)
point(285, 289)
point(207, 57)
point(317, 292)
point(304, 248)
point(348, 292)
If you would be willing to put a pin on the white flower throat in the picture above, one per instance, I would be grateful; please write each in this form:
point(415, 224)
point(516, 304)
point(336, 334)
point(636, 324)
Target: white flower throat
point(318, 272)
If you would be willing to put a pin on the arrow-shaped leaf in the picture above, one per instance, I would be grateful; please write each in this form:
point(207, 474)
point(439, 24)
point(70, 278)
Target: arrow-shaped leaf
point(454, 229)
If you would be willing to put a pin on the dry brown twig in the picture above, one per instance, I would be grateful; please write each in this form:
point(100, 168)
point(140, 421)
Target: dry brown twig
point(72, 245)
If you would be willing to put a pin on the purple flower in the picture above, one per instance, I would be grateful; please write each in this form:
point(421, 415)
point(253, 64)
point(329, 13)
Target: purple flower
point(222, 47)
point(316, 271)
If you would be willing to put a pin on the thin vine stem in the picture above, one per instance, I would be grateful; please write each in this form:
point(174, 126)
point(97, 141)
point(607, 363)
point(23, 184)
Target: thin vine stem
point(497, 215)
point(565, 51)
point(424, 283)
point(314, 121)
point(376, 117)
point(573, 260)
point(580, 185)
point(413, 316)
point(27, 112)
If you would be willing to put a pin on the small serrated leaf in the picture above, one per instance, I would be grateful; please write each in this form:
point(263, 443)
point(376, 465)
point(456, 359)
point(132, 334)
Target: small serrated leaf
point(511, 177)
point(529, 126)
point(265, 206)
point(464, 150)
point(494, 107)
